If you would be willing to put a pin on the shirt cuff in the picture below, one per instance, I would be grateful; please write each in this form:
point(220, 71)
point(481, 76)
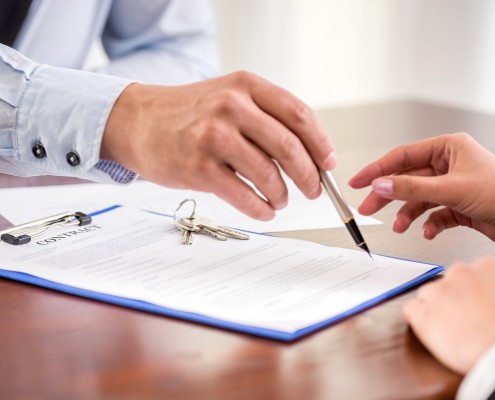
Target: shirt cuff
point(479, 383)
point(63, 115)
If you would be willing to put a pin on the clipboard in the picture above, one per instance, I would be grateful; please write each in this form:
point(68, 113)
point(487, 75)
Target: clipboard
point(212, 321)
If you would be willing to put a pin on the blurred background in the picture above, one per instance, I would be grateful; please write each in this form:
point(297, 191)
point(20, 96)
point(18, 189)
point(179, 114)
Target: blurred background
point(335, 53)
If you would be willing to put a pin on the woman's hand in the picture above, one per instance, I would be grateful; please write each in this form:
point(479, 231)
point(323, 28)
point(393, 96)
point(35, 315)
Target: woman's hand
point(451, 172)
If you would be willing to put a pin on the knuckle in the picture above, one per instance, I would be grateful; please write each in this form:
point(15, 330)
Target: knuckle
point(208, 167)
point(457, 271)
point(268, 172)
point(406, 160)
point(310, 178)
point(411, 187)
point(243, 79)
point(461, 136)
point(227, 103)
point(245, 199)
point(458, 138)
point(200, 166)
point(290, 147)
point(214, 136)
point(301, 112)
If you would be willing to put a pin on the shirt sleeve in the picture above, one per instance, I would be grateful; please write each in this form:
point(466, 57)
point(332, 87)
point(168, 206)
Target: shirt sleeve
point(479, 383)
point(52, 120)
point(167, 42)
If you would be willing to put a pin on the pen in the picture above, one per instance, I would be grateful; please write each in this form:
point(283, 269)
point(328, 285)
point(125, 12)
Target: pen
point(343, 209)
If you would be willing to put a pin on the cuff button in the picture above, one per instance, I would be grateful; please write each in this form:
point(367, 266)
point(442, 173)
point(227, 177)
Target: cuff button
point(73, 158)
point(39, 151)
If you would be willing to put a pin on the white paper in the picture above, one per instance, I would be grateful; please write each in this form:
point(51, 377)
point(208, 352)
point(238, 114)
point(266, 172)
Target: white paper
point(266, 282)
point(20, 205)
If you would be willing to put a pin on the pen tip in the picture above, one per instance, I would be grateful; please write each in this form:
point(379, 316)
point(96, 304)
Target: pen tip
point(364, 247)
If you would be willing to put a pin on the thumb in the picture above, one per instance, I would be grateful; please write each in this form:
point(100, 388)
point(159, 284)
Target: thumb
point(413, 188)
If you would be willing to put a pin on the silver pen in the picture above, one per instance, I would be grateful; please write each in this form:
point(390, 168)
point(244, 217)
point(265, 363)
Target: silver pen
point(343, 209)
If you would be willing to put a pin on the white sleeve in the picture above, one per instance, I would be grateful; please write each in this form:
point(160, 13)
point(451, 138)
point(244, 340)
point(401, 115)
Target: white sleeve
point(52, 119)
point(479, 383)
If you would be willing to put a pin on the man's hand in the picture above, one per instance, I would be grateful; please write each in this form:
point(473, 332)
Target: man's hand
point(452, 171)
point(205, 135)
point(453, 317)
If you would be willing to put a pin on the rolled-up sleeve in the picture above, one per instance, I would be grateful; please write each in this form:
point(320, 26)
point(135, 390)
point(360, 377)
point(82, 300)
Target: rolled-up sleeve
point(52, 119)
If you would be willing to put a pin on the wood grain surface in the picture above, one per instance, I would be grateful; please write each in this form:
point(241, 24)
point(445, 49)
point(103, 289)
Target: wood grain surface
point(58, 346)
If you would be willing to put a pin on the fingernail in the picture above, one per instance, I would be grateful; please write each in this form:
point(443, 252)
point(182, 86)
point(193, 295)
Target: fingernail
point(383, 186)
point(331, 161)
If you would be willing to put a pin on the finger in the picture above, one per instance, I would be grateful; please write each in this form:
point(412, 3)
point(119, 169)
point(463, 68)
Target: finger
point(409, 212)
point(372, 203)
point(410, 156)
point(437, 189)
point(266, 176)
point(295, 115)
point(282, 145)
point(413, 312)
point(228, 186)
point(426, 291)
point(437, 222)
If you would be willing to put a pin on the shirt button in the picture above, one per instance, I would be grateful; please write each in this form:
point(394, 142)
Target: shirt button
point(39, 151)
point(73, 158)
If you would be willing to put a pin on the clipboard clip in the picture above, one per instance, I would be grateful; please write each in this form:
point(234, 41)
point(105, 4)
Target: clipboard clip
point(22, 234)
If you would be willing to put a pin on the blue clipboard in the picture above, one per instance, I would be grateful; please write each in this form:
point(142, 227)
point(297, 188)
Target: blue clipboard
point(215, 322)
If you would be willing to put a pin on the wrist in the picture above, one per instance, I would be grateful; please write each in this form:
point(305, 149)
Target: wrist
point(120, 142)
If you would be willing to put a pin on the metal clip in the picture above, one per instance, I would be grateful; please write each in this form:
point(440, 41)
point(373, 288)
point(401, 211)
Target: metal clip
point(22, 234)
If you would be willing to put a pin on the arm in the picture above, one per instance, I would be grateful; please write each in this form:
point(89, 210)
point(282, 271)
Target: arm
point(450, 172)
point(453, 318)
point(199, 136)
point(53, 112)
point(162, 42)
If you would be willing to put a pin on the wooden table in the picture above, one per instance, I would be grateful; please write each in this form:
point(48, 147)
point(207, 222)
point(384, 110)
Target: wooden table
point(59, 346)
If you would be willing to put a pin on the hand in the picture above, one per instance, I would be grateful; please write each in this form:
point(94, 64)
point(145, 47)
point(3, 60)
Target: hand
point(452, 171)
point(453, 317)
point(204, 135)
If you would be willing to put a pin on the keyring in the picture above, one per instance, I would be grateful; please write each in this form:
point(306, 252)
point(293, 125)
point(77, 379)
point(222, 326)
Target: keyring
point(193, 213)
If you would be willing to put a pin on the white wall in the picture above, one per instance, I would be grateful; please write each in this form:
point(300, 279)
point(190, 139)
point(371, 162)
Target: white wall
point(451, 45)
point(339, 52)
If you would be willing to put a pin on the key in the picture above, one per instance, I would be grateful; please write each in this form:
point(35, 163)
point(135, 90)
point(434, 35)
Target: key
point(188, 231)
point(190, 223)
point(217, 231)
point(206, 224)
point(188, 236)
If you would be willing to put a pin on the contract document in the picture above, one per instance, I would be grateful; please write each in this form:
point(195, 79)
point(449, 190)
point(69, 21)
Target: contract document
point(268, 286)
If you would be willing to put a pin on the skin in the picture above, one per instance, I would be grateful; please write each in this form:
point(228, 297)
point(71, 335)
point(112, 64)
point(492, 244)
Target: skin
point(204, 135)
point(451, 175)
point(448, 173)
point(453, 317)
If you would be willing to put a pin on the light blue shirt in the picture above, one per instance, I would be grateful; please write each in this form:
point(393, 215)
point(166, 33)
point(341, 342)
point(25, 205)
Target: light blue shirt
point(65, 110)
